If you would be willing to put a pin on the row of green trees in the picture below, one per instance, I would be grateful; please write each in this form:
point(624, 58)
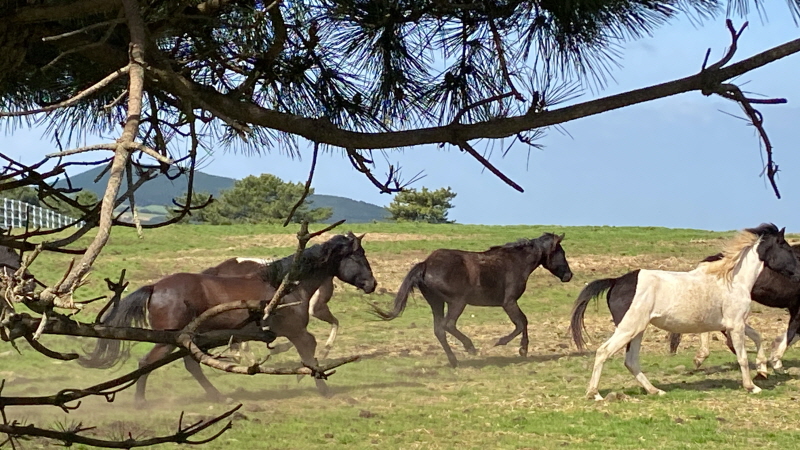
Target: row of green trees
point(268, 199)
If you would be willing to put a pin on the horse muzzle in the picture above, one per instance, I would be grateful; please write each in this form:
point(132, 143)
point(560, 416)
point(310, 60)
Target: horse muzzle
point(566, 277)
point(369, 287)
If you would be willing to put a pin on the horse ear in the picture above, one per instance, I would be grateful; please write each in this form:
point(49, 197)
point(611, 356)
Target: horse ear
point(780, 233)
point(361, 237)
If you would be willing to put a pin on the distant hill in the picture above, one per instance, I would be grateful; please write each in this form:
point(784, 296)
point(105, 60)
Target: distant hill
point(354, 211)
point(157, 193)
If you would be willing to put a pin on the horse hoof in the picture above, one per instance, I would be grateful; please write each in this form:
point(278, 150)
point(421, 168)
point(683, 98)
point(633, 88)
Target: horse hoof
point(779, 370)
point(761, 376)
point(755, 390)
point(499, 343)
point(472, 351)
point(596, 397)
point(523, 352)
point(140, 403)
point(657, 392)
point(453, 363)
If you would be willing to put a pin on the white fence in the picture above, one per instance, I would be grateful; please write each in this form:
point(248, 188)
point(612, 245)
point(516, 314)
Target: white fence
point(17, 214)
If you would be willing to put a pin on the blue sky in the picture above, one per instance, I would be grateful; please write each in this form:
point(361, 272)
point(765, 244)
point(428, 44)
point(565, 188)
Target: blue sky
point(676, 162)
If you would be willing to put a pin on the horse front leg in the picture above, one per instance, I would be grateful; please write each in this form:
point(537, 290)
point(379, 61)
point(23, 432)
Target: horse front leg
point(520, 326)
point(306, 346)
point(737, 336)
point(761, 357)
point(781, 342)
point(323, 313)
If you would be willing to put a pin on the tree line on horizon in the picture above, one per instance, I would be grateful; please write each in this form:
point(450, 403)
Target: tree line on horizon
point(268, 199)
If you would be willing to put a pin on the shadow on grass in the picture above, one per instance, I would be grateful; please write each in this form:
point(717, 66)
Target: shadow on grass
point(501, 361)
point(243, 395)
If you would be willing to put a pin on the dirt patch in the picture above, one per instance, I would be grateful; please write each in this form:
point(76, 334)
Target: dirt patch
point(624, 263)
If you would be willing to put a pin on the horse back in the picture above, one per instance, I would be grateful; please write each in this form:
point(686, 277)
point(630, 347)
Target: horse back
point(480, 277)
point(236, 267)
point(180, 297)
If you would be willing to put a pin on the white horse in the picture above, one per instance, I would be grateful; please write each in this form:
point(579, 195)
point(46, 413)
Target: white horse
point(714, 296)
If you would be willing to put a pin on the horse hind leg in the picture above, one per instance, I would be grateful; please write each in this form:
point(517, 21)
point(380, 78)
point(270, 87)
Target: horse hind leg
point(454, 311)
point(622, 336)
point(437, 307)
point(632, 363)
point(702, 351)
point(197, 372)
point(159, 351)
point(520, 326)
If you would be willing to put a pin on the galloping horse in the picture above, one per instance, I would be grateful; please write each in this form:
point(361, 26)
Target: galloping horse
point(495, 277)
point(317, 306)
point(714, 296)
point(771, 289)
point(174, 301)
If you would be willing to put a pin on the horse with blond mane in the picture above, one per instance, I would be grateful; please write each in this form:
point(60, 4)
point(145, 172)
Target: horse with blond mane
point(715, 296)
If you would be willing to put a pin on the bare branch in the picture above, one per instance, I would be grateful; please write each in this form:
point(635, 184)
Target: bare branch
point(306, 188)
point(468, 148)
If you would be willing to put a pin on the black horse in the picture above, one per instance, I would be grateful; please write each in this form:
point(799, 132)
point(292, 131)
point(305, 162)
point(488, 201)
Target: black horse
point(495, 277)
point(771, 289)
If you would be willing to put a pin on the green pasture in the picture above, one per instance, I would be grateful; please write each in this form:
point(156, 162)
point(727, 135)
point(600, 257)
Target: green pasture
point(402, 393)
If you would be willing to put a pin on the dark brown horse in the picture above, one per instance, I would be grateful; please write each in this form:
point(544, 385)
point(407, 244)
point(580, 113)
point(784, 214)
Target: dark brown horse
point(172, 302)
point(495, 277)
point(317, 305)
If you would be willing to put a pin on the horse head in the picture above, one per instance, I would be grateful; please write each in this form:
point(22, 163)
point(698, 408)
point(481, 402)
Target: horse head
point(555, 260)
point(352, 265)
point(775, 252)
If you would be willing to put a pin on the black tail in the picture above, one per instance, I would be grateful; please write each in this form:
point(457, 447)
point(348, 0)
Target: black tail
point(130, 311)
point(592, 290)
point(411, 281)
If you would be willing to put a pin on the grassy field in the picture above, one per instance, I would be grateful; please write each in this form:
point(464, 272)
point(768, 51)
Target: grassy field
point(402, 393)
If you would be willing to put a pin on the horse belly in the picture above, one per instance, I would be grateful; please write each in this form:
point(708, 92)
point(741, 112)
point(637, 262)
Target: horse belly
point(684, 305)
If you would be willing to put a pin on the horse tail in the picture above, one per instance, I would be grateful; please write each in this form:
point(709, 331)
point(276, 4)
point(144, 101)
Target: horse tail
point(411, 281)
point(591, 291)
point(130, 311)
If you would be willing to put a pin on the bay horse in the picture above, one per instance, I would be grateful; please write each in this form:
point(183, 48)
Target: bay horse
point(771, 289)
point(495, 277)
point(714, 296)
point(174, 301)
point(317, 305)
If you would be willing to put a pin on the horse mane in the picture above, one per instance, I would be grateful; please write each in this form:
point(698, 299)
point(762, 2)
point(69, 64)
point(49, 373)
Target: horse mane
point(311, 260)
point(521, 243)
point(722, 265)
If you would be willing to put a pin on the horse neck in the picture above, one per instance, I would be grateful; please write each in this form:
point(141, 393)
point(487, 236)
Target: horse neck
point(746, 272)
point(533, 258)
point(312, 282)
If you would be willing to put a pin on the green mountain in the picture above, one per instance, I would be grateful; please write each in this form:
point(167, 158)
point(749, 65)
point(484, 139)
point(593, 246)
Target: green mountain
point(354, 211)
point(156, 194)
